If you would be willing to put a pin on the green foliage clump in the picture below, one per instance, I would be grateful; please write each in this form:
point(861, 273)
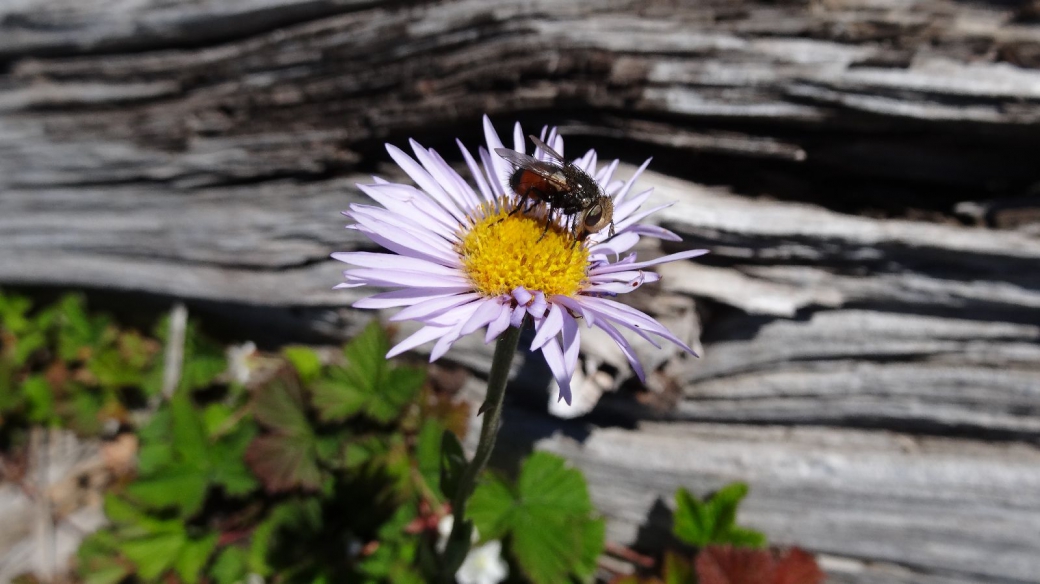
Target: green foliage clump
point(323, 468)
point(710, 525)
point(713, 522)
point(546, 515)
point(315, 475)
point(60, 366)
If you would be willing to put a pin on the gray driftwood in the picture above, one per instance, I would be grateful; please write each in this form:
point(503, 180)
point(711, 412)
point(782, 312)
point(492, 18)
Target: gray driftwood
point(865, 173)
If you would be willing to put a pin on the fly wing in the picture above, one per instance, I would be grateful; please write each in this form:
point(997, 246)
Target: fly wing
point(521, 160)
point(545, 148)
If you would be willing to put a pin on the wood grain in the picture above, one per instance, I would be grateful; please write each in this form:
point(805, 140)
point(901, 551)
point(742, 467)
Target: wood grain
point(864, 172)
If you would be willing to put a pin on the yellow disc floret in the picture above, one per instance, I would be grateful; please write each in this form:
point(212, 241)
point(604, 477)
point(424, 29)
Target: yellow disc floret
point(502, 252)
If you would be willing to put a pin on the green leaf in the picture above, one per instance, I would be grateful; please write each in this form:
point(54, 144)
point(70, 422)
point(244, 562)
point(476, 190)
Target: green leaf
point(337, 399)
point(111, 574)
point(216, 419)
point(279, 405)
point(362, 450)
point(491, 507)
point(548, 517)
point(723, 505)
point(743, 537)
point(181, 486)
point(39, 398)
point(190, 442)
point(398, 388)
point(231, 471)
point(692, 523)
point(13, 313)
point(593, 541)
point(305, 361)
point(230, 566)
point(193, 557)
point(204, 360)
point(98, 560)
point(155, 554)
point(369, 385)
point(78, 333)
point(366, 353)
point(284, 462)
point(428, 453)
point(287, 458)
point(27, 344)
point(713, 522)
point(452, 463)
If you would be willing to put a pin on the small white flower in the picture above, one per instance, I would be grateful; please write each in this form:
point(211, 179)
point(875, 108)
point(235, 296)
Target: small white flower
point(238, 361)
point(483, 565)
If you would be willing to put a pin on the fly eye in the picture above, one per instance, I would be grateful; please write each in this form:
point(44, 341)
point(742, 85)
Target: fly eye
point(594, 215)
point(598, 216)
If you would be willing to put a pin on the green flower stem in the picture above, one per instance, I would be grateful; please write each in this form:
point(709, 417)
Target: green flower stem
point(459, 540)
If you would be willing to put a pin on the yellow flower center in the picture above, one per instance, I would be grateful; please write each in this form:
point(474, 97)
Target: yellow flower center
point(503, 251)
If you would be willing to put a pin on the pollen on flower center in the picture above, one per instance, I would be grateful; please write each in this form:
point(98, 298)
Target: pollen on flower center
point(502, 252)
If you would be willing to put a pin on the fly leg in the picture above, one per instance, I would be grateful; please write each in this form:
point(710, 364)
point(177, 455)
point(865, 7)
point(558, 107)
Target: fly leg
point(574, 229)
point(548, 220)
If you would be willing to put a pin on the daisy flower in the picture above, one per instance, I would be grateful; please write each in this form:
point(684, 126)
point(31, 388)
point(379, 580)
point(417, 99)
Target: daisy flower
point(460, 260)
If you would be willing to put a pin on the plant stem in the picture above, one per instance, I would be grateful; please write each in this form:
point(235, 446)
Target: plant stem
point(459, 540)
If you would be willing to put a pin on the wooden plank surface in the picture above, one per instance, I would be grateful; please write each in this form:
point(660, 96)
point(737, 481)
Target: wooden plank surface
point(864, 172)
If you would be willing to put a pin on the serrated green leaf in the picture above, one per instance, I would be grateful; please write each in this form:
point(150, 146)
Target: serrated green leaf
point(13, 313)
point(99, 561)
point(111, 574)
point(547, 483)
point(193, 557)
point(190, 443)
point(743, 537)
point(285, 462)
point(279, 405)
point(39, 400)
point(397, 389)
point(121, 511)
point(361, 450)
point(548, 517)
point(366, 353)
point(235, 477)
point(81, 411)
point(368, 385)
point(305, 361)
point(216, 419)
point(180, 486)
point(712, 522)
point(77, 331)
point(544, 551)
point(202, 371)
point(230, 471)
point(593, 541)
point(230, 566)
point(337, 399)
point(26, 344)
point(155, 554)
point(329, 446)
point(491, 507)
point(723, 505)
point(691, 523)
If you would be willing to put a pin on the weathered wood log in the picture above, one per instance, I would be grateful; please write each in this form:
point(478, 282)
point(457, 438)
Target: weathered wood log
point(869, 313)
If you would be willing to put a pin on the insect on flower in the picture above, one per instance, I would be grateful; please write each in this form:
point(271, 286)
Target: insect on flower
point(452, 261)
point(563, 187)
